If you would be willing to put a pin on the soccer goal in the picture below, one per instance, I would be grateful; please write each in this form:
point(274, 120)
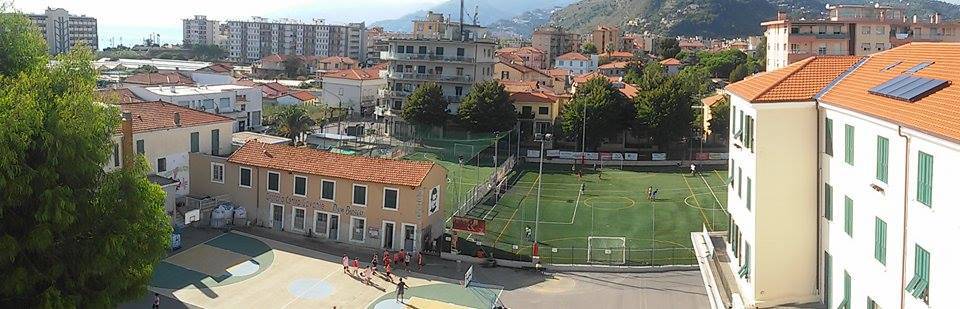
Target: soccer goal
point(607, 250)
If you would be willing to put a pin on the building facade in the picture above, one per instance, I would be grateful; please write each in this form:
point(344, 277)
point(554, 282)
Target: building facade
point(555, 41)
point(577, 63)
point(253, 40)
point(245, 104)
point(607, 39)
point(63, 31)
point(365, 201)
point(200, 31)
point(353, 89)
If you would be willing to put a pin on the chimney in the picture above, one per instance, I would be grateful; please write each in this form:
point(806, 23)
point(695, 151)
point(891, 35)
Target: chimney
point(176, 119)
point(936, 17)
point(781, 15)
point(461, 21)
point(914, 18)
point(126, 140)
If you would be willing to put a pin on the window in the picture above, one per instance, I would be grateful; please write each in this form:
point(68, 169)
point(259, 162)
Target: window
point(116, 155)
point(224, 103)
point(543, 110)
point(865, 30)
point(460, 52)
point(733, 120)
point(215, 142)
point(422, 50)
point(880, 241)
point(526, 110)
point(822, 29)
point(505, 75)
point(273, 182)
point(827, 278)
point(161, 165)
point(458, 90)
point(439, 51)
point(733, 170)
point(749, 191)
point(360, 195)
point(739, 181)
point(848, 215)
point(409, 49)
point(920, 284)
point(881, 46)
point(828, 136)
point(140, 147)
point(745, 269)
point(848, 144)
point(299, 217)
point(300, 185)
point(879, 29)
point(357, 228)
point(846, 290)
point(828, 201)
point(390, 198)
point(327, 188)
point(245, 179)
point(422, 69)
point(216, 172)
point(865, 46)
point(822, 50)
point(195, 142)
point(925, 179)
point(883, 156)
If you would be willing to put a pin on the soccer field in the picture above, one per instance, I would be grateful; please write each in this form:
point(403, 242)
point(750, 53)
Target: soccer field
point(611, 222)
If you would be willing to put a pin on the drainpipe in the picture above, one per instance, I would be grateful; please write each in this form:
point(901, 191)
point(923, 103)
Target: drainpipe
point(258, 197)
point(819, 200)
point(906, 192)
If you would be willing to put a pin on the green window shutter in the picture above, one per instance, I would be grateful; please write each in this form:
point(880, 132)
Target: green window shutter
point(739, 181)
point(733, 169)
point(828, 201)
point(827, 278)
point(880, 239)
point(215, 142)
point(749, 191)
point(828, 137)
point(925, 179)
point(733, 120)
point(848, 215)
point(846, 288)
point(848, 144)
point(883, 157)
point(195, 142)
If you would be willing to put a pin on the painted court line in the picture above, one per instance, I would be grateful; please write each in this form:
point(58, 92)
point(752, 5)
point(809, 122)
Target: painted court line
point(572, 218)
point(297, 297)
point(704, 215)
point(197, 245)
point(711, 191)
point(505, 226)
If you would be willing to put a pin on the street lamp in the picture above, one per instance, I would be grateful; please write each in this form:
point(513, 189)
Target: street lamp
point(543, 139)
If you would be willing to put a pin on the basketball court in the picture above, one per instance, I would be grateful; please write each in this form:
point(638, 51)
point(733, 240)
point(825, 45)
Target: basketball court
point(237, 270)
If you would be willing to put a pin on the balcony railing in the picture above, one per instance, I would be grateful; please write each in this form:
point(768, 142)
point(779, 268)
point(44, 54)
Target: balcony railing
point(824, 35)
point(387, 55)
point(386, 93)
point(432, 77)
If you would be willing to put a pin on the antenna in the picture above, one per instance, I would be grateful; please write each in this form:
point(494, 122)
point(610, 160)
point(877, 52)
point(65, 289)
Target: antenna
point(461, 20)
point(476, 14)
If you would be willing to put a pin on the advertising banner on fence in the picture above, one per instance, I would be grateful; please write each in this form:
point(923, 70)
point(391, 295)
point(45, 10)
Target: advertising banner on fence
point(701, 156)
point(469, 225)
point(658, 156)
point(719, 156)
point(606, 156)
point(533, 153)
point(631, 156)
point(553, 153)
point(616, 156)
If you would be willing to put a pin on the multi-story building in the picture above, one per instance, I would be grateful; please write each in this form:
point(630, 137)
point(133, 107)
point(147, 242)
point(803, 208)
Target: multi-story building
point(607, 39)
point(200, 31)
point(577, 63)
point(243, 103)
point(253, 40)
point(555, 41)
point(836, 193)
point(355, 90)
point(63, 31)
point(437, 26)
point(850, 30)
point(528, 56)
point(364, 201)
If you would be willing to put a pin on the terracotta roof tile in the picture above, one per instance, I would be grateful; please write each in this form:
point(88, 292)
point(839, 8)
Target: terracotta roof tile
point(519, 86)
point(118, 96)
point(327, 164)
point(338, 59)
point(158, 115)
point(797, 82)
point(935, 114)
point(573, 56)
point(164, 79)
point(354, 74)
point(615, 65)
point(303, 95)
point(670, 61)
point(533, 96)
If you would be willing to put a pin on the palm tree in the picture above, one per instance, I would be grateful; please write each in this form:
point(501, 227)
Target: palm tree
point(292, 121)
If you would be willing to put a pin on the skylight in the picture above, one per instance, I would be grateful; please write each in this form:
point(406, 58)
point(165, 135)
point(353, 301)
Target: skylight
point(909, 88)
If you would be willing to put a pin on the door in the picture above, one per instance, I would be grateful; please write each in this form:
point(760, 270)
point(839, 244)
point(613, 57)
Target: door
point(334, 231)
point(388, 235)
point(409, 231)
point(321, 225)
point(278, 217)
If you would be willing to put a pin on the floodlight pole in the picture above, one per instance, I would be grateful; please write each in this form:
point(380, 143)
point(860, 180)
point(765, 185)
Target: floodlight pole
point(536, 228)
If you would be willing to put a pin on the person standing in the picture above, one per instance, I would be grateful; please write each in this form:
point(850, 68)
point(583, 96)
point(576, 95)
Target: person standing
point(346, 263)
point(649, 193)
point(420, 260)
point(376, 259)
point(653, 196)
point(401, 288)
point(389, 271)
point(156, 300)
point(693, 169)
point(356, 265)
point(406, 262)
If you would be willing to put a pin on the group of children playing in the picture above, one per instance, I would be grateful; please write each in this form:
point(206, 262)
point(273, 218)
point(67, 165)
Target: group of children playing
point(399, 258)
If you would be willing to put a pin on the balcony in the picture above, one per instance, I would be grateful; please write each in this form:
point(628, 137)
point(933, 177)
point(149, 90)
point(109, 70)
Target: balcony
point(824, 36)
point(387, 55)
point(387, 93)
point(431, 77)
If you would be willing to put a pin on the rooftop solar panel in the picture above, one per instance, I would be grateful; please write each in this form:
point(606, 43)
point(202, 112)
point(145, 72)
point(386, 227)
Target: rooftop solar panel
point(919, 67)
point(908, 87)
point(890, 66)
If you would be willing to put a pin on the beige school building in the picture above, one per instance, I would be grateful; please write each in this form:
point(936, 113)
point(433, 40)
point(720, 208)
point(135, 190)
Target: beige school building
point(373, 202)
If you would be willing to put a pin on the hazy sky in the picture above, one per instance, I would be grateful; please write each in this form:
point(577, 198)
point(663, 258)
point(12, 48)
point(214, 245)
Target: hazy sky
point(134, 20)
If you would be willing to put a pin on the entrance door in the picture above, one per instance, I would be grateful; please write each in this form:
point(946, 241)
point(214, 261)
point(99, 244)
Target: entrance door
point(321, 225)
point(388, 235)
point(334, 232)
point(409, 232)
point(278, 217)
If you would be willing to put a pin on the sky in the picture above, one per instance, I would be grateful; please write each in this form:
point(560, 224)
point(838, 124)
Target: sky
point(134, 20)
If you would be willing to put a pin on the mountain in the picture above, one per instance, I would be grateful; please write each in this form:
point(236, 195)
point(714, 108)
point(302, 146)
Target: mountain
point(712, 18)
point(522, 25)
point(489, 11)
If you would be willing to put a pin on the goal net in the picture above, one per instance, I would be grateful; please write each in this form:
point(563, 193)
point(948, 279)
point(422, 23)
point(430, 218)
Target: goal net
point(607, 250)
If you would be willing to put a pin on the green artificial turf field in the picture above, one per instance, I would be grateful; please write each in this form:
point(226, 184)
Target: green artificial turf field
point(612, 222)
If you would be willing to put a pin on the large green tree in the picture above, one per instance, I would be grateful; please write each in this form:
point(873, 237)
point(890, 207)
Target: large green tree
point(291, 121)
point(71, 235)
point(608, 112)
point(588, 48)
point(487, 108)
point(425, 106)
point(207, 52)
point(720, 117)
point(664, 112)
point(668, 47)
point(739, 73)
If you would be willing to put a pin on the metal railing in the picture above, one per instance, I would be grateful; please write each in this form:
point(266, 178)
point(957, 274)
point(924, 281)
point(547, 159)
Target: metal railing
point(431, 77)
point(475, 196)
point(388, 55)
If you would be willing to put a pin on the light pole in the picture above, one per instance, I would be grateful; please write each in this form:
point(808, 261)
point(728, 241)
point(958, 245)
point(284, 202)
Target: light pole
point(583, 137)
point(536, 228)
point(703, 130)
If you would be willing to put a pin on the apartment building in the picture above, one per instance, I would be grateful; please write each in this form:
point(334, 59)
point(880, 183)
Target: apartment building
point(577, 63)
point(365, 201)
point(250, 41)
point(528, 56)
point(506, 71)
point(201, 31)
point(355, 90)
point(435, 25)
point(242, 103)
point(555, 41)
point(607, 39)
point(838, 170)
point(851, 30)
point(63, 31)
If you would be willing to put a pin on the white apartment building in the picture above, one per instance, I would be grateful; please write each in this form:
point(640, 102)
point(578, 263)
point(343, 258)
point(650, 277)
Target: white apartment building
point(242, 103)
point(840, 186)
point(253, 40)
point(62, 31)
point(355, 90)
point(577, 63)
point(454, 65)
point(201, 31)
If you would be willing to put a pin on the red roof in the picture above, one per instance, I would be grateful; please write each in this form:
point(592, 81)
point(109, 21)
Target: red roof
point(573, 56)
point(118, 96)
point(670, 61)
point(322, 163)
point(354, 74)
point(338, 59)
point(518, 86)
point(615, 65)
point(217, 68)
point(159, 79)
point(533, 96)
point(158, 115)
point(797, 82)
point(303, 95)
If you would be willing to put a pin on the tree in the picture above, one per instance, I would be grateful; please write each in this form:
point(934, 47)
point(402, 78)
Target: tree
point(664, 112)
point(669, 48)
point(588, 48)
point(207, 52)
point(721, 63)
point(71, 234)
point(146, 68)
point(292, 121)
point(608, 112)
point(720, 117)
point(739, 73)
point(293, 66)
point(426, 106)
point(487, 108)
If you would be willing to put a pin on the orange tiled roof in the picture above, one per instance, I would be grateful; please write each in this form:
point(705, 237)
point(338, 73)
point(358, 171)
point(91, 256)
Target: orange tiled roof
point(573, 56)
point(629, 90)
point(583, 78)
point(121, 95)
point(797, 82)
point(935, 114)
point(618, 54)
point(533, 97)
point(303, 95)
point(557, 72)
point(217, 68)
point(158, 115)
point(518, 86)
point(615, 65)
point(338, 59)
point(327, 164)
point(354, 74)
point(670, 61)
point(711, 100)
point(165, 79)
